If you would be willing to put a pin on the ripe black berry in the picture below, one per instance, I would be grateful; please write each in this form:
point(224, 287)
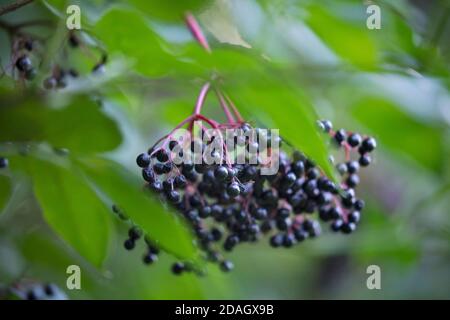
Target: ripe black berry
point(180, 182)
point(352, 181)
point(158, 168)
point(354, 140)
point(288, 240)
point(352, 167)
point(205, 212)
point(178, 268)
point(354, 217)
point(233, 190)
point(3, 163)
point(298, 168)
point(226, 265)
point(365, 160)
point(50, 289)
point(359, 204)
point(221, 173)
point(143, 160)
point(28, 44)
point(23, 64)
point(337, 225)
point(129, 244)
point(73, 41)
point(148, 175)
point(149, 258)
point(31, 295)
point(300, 234)
point(368, 145)
point(156, 186)
point(135, 233)
point(174, 196)
point(340, 135)
point(161, 155)
point(326, 125)
point(348, 227)
point(277, 240)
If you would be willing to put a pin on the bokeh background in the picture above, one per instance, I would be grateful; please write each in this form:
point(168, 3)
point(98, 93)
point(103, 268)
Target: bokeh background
point(281, 60)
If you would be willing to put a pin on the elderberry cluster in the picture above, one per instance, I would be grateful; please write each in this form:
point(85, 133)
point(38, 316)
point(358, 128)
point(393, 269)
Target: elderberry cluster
point(230, 204)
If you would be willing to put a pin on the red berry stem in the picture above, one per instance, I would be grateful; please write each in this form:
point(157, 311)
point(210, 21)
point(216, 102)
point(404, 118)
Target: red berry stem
point(225, 108)
point(235, 110)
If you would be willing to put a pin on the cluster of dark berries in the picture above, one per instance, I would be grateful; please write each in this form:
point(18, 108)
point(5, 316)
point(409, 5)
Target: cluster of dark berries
point(135, 234)
point(23, 63)
point(35, 291)
point(58, 79)
point(3, 162)
point(230, 204)
point(59, 76)
point(25, 52)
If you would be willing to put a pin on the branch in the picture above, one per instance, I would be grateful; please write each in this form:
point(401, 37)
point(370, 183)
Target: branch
point(13, 6)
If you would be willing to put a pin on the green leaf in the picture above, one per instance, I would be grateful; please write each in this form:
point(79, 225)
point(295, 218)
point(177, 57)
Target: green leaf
point(72, 209)
point(126, 190)
point(168, 10)
point(401, 132)
point(80, 127)
point(288, 110)
point(5, 191)
point(349, 40)
point(127, 32)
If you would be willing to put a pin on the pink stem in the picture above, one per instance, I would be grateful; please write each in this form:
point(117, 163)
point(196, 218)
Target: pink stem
point(225, 108)
point(197, 31)
point(201, 98)
point(200, 101)
point(235, 110)
point(167, 137)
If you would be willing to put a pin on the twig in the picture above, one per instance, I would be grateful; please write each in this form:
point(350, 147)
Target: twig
point(13, 6)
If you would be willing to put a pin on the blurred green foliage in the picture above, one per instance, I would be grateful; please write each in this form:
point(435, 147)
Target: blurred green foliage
point(72, 150)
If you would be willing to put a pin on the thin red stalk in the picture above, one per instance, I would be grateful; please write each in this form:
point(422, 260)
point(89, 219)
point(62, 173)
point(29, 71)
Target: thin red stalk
point(169, 135)
point(225, 108)
point(196, 31)
point(201, 98)
point(235, 110)
point(200, 101)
